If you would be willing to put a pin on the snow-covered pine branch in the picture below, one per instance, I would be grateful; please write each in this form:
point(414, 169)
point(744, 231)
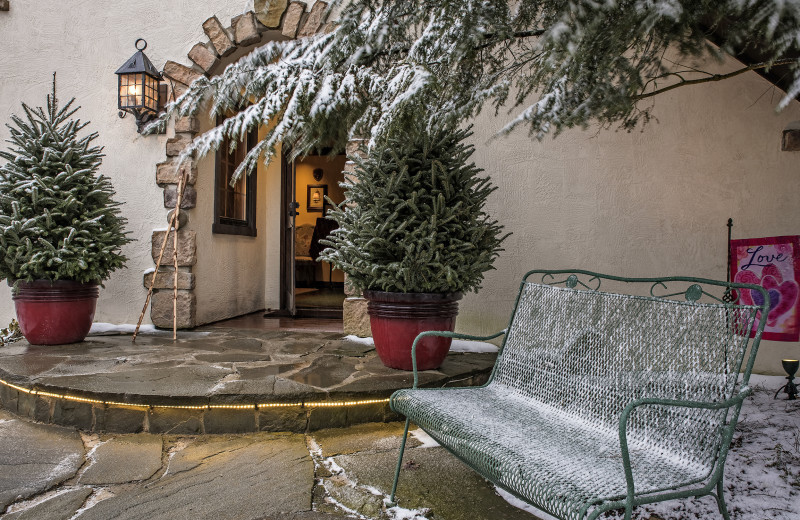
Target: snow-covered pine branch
point(560, 64)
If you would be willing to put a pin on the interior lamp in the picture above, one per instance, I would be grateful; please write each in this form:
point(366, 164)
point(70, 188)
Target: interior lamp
point(139, 86)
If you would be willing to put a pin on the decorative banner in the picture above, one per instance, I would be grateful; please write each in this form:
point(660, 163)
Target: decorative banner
point(774, 264)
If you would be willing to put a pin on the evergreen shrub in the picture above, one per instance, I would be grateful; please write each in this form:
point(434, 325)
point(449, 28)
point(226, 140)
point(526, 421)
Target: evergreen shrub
point(413, 219)
point(58, 219)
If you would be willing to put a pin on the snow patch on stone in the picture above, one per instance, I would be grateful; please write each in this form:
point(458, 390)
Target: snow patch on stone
point(125, 328)
point(27, 504)
point(401, 513)
point(460, 345)
point(362, 341)
point(519, 504)
point(95, 498)
point(426, 440)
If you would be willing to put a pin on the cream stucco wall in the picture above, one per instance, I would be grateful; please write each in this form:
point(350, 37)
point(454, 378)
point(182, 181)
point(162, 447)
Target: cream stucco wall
point(645, 203)
point(231, 269)
point(651, 203)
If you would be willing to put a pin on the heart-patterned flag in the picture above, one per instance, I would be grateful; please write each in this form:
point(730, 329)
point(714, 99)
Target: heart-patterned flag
point(774, 264)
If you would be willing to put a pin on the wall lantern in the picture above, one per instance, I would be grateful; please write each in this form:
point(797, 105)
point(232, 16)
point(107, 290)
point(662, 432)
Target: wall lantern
point(140, 87)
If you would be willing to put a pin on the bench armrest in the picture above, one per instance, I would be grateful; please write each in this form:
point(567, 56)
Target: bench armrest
point(623, 423)
point(446, 334)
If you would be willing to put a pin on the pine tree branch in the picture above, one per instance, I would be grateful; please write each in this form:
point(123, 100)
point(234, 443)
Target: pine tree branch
point(711, 77)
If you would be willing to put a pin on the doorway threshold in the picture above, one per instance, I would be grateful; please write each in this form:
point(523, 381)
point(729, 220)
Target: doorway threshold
point(317, 312)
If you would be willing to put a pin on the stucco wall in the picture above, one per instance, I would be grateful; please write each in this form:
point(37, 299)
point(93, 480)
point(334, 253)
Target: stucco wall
point(651, 203)
point(230, 269)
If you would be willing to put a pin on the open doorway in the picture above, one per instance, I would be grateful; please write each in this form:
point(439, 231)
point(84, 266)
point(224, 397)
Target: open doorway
point(310, 288)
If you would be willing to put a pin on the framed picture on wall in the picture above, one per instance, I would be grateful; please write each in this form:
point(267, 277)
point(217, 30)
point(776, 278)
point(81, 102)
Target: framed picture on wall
point(315, 197)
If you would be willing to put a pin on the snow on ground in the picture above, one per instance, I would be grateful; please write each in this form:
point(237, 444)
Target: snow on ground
point(458, 345)
point(762, 474)
point(100, 329)
point(125, 328)
point(362, 341)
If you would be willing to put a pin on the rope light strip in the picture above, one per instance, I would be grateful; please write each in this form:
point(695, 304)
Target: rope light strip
point(257, 406)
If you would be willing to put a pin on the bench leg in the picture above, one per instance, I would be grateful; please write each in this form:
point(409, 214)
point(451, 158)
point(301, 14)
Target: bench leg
point(721, 501)
point(392, 501)
point(628, 512)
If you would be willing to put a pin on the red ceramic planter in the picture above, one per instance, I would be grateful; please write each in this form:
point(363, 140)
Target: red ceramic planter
point(55, 313)
point(397, 318)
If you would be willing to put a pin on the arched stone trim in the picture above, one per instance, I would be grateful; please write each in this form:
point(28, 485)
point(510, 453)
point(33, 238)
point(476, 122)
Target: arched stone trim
point(281, 19)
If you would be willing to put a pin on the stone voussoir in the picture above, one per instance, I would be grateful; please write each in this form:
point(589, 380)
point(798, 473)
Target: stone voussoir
point(291, 22)
point(165, 279)
point(314, 20)
point(188, 201)
point(245, 30)
point(203, 57)
point(219, 37)
point(168, 173)
point(187, 247)
point(269, 12)
point(181, 73)
point(161, 307)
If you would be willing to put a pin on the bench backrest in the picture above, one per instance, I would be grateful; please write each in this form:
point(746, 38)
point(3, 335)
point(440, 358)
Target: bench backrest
point(585, 354)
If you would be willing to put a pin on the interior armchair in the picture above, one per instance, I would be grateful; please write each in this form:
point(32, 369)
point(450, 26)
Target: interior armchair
point(305, 267)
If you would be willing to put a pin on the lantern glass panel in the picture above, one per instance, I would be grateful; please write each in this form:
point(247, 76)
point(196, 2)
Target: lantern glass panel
point(130, 90)
point(151, 93)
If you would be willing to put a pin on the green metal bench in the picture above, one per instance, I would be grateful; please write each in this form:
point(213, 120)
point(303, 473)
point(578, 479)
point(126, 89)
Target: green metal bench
point(601, 401)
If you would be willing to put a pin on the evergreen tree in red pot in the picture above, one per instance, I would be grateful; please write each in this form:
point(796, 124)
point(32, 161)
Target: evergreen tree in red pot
point(61, 232)
point(413, 236)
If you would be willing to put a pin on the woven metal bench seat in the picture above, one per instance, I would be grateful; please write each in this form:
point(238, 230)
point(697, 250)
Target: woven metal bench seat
point(536, 451)
point(600, 400)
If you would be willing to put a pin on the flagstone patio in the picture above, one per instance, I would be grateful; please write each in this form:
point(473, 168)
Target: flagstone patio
point(220, 379)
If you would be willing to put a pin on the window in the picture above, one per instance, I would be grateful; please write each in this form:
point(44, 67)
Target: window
point(234, 206)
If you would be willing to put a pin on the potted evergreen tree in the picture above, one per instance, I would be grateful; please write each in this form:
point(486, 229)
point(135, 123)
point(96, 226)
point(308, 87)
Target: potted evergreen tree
point(61, 233)
point(413, 236)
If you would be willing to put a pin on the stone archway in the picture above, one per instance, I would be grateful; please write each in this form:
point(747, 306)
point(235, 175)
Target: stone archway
point(278, 19)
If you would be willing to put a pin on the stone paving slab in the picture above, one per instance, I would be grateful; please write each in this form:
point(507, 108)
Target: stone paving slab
point(432, 482)
point(325, 475)
point(35, 457)
point(61, 506)
point(220, 477)
point(123, 458)
point(217, 366)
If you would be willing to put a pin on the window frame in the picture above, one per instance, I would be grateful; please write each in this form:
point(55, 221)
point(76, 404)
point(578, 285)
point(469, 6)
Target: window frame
point(229, 226)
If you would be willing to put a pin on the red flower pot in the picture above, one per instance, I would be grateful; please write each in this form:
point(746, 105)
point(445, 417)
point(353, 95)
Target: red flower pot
point(55, 313)
point(397, 318)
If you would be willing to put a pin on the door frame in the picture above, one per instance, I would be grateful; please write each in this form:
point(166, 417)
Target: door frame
point(287, 267)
